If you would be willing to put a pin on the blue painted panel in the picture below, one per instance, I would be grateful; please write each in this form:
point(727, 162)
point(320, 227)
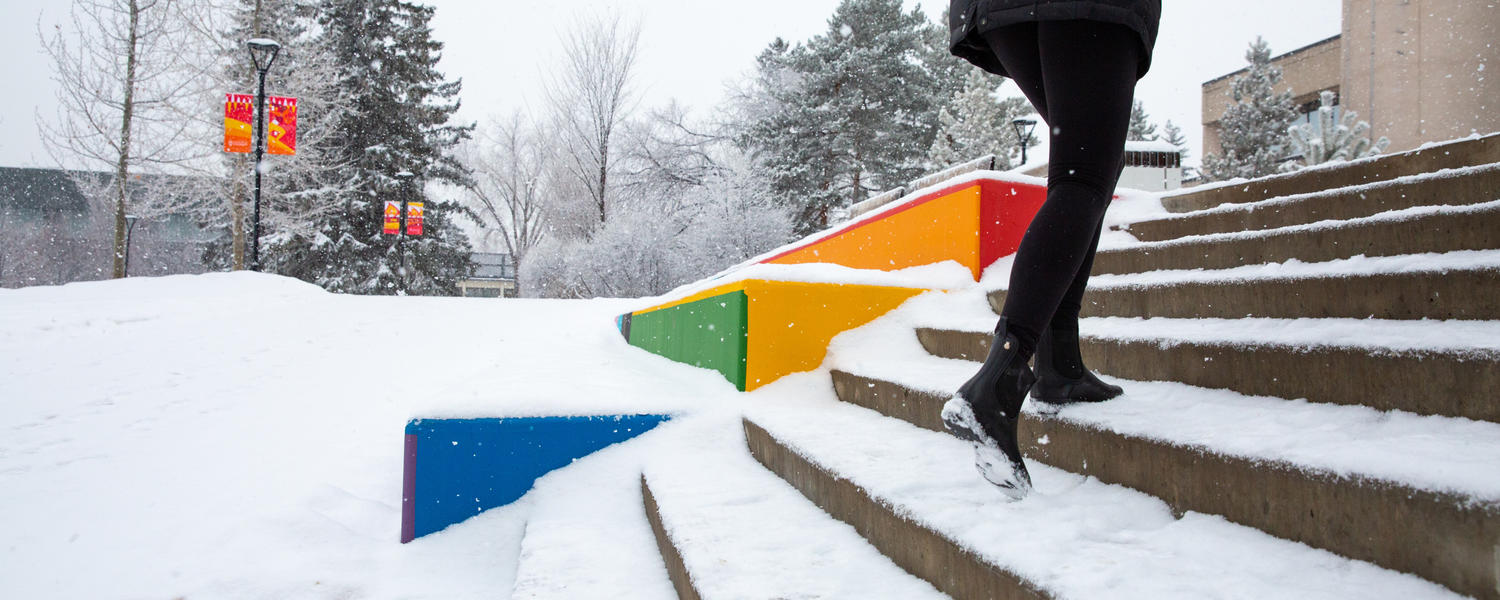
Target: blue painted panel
point(465, 466)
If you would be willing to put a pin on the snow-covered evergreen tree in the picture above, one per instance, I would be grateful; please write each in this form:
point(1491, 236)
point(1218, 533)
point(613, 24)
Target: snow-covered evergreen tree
point(1141, 129)
point(855, 114)
point(976, 123)
point(1334, 139)
point(1253, 130)
point(1172, 134)
point(398, 123)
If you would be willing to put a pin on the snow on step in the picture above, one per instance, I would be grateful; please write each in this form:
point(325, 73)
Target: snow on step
point(587, 536)
point(744, 533)
point(1467, 338)
point(1333, 193)
point(1436, 453)
point(1074, 537)
point(1390, 216)
point(1432, 262)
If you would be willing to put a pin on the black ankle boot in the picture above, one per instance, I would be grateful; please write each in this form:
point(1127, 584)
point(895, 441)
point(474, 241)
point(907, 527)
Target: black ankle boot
point(1061, 376)
point(986, 410)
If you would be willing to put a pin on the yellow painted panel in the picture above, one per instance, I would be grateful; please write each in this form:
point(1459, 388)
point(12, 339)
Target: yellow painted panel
point(943, 228)
point(791, 323)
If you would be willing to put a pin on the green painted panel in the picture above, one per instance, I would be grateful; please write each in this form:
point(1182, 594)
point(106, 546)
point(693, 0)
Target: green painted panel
point(709, 333)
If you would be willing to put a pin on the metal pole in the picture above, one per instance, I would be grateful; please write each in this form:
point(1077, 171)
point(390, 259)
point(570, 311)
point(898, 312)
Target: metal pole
point(260, 150)
point(129, 228)
point(400, 246)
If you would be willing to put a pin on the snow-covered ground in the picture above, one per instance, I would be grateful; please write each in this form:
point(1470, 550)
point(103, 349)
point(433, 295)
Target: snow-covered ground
point(240, 435)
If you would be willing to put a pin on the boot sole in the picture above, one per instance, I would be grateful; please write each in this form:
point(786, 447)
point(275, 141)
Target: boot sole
point(992, 463)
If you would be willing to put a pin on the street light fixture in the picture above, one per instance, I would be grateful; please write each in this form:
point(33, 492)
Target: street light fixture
point(1024, 128)
point(262, 52)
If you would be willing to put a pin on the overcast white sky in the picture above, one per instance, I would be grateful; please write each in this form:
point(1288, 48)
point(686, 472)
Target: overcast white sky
point(691, 49)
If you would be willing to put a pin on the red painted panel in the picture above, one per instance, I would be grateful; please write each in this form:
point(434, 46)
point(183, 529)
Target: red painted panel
point(1005, 211)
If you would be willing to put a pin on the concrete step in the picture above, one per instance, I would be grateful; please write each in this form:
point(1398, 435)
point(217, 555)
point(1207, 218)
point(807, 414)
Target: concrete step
point(1450, 155)
point(915, 496)
point(1411, 231)
point(584, 535)
point(1454, 187)
point(1188, 458)
point(728, 528)
point(1454, 382)
point(1429, 286)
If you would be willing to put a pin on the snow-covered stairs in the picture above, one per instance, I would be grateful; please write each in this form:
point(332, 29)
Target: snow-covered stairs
point(1457, 186)
point(915, 496)
point(1416, 230)
point(1427, 286)
point(729, 528)
point(1456, 374)
point(1311, 365)
point(1373, 438)
point(1431, 158)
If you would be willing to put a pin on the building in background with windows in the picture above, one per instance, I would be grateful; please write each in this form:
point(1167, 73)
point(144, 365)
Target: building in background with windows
point(494, 277)
point(1418, 71)
point(51, 233)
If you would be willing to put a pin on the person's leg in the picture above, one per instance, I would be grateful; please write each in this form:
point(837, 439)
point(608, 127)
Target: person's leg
point(986, 409)
point(1016, 48)
point(1089, 74)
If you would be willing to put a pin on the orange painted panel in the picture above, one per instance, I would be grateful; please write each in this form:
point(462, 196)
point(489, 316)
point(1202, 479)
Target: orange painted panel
point(944, 227)
point(791, 323)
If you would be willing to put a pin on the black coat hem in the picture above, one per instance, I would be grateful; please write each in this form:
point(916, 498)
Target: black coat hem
point(966, 31)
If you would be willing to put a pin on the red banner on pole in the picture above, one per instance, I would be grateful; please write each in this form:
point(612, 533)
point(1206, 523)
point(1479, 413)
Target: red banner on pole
point(413, 218)
point(281, 130)
point(239, 111)
point(392, 217)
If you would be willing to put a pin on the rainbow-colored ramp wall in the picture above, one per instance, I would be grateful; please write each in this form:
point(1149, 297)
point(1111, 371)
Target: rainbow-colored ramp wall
point(458, 468)
point(973, 222)
point(756, 331)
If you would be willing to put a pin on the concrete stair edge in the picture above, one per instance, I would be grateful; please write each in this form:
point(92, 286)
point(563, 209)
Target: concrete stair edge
point(1440, 537)
point(1330, 375)
point(1453, 154)
point(1467, 228)
point(925, 553)
point(1453, 187)
point(1438, 294)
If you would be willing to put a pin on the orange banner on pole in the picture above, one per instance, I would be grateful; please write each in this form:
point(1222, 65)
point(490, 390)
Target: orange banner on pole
point(392, 217)
point(414, 218)
point(281, 131)
point(239, 111)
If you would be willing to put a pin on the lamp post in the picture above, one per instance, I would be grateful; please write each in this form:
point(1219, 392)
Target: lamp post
point(129, 228)
point(1024, 128)
point(263, 52)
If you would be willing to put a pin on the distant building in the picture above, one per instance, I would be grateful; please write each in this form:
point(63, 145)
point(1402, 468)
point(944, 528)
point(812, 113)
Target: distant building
point(51, 234)
point(1418, 71)
point(1153, 166)
point(494, 277)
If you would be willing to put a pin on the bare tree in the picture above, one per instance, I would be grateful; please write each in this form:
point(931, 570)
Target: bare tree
point(125, 87)
point(511, 164)
point(591, 97)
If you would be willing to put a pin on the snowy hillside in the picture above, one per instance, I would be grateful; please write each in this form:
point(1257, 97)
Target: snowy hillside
point(239, 435)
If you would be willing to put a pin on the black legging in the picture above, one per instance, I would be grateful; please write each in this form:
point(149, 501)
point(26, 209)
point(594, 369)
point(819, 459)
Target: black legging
point(1080, 76)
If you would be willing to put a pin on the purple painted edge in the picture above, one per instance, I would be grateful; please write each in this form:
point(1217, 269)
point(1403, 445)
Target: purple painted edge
point(409, 491)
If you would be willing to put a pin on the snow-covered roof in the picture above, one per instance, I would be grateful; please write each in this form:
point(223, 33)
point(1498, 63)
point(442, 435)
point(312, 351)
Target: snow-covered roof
point(1150, 146)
